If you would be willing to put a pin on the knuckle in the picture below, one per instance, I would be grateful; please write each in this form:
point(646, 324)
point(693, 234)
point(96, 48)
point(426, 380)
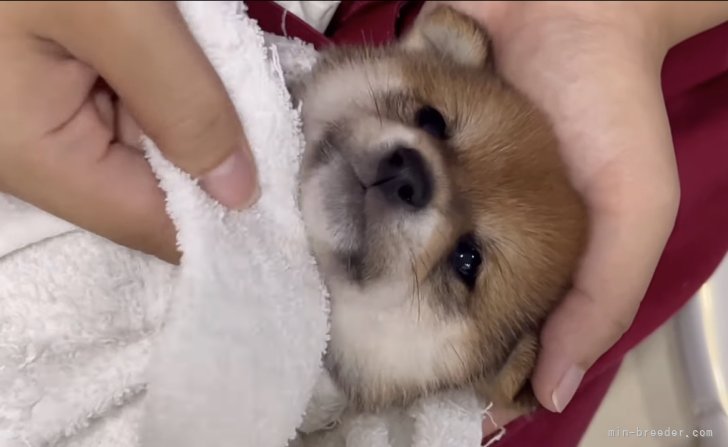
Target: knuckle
point(159, 239)
point(202, 136)
point(152, 232)
point(664, 203)
point(666, 190)
point(613, 316)
point(671, 199)
point(620, 323)
point(619, 317)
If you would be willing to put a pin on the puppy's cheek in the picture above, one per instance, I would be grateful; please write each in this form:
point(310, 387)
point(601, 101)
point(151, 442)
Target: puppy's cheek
point(426, 232)
point(312, 206)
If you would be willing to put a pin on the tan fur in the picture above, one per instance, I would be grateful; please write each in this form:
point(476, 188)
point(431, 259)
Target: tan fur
point(498, 176)
point(453, 36)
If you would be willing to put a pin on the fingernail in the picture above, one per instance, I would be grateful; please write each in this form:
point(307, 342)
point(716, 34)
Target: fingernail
point(566, 389)
point(233, 183)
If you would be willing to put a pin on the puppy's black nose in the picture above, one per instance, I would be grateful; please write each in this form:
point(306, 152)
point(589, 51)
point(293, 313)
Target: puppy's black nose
point(405, 179)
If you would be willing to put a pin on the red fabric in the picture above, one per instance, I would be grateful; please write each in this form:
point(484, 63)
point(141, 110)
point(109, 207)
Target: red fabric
point(371, 22)
point(695, 84)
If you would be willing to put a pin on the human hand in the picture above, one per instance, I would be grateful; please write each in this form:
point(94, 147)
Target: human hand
point(80, 83)
point(595, 70)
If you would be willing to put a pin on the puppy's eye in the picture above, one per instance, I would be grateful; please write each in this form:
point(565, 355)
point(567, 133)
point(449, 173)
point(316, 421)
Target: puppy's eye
point(431, 121)
point(466, 260)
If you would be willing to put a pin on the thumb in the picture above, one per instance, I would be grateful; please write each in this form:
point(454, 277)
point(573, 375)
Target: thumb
point(149, 57)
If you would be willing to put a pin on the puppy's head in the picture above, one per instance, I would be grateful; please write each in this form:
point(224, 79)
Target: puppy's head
point(440, 213)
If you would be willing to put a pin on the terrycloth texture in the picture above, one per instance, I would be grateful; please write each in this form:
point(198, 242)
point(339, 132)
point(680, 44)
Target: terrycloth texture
point(224, 350)
point(76, 316)
point(451, 419)
point(241, 350)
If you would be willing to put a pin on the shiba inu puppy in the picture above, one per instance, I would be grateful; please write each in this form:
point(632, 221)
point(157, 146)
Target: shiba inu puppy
point(440, 214)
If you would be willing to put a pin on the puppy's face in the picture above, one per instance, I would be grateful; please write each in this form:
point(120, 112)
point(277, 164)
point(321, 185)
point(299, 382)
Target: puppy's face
point(440, 214)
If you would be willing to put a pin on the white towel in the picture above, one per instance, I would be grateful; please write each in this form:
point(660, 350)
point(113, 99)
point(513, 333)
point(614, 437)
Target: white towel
point(104, 346)
point(317, 13)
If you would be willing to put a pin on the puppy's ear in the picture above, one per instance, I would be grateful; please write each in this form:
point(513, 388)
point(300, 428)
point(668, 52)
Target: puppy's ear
point(510, 389)
point(452, 34)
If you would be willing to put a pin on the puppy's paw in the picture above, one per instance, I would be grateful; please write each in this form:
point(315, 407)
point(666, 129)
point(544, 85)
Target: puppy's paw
point(327, 405)
point(525, 402)
point(511, 389)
